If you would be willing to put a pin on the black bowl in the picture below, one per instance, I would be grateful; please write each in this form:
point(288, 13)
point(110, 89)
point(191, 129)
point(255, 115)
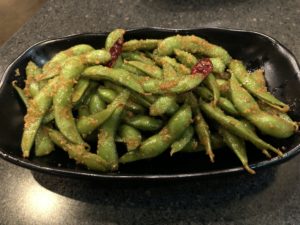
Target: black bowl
point(255, 49)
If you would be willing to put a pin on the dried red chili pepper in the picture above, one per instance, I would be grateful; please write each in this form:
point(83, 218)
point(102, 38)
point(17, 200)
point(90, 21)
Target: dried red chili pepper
point(203, 66)
point(115, 51)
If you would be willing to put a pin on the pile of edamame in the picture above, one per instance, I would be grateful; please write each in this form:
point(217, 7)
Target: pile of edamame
point(179, 94)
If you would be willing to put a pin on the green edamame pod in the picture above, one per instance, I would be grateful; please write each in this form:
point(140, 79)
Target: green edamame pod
point(95, 57)
point(32, 87)
point(132, 69)
point(78, 152)
point(87, 124)
point(113, 37)
point(223, 103)
point(37, 108)
point(136, 45)
point(248, 124)
point(176, 85)
point(211, 83)
point(218, 65)
point(144, 101)
point(130, 136)
point(164, 104)
point(247, 106)
point(203, 134)
point(223, 86)
point(235, 127)
point(43, 143)
point(144, 123)
point(62, 100)
point(106, 147)
point(185, 58)
point(52, 68)
point(239, 71)
point(201, 127)
point(48, 117)
point(119, 76)
point(32, 70)
point(190, 60)
point(149, 69)
point(86, 95)
point(169, 72)
point(136, 97)
point(137, 56)
point(83, 110)
point(180, 68)
point(194, 146)
point(259, 77)
point(158, 143)
point(108, 95)
point(20, 93)
point(96, 104)
point(237, 145)
point(79, 89)
point(265, 107)
point(204, 93)
point(222, 76)
point(192, 44)
point(118, 63)
point(182, 141)
point(227, 106)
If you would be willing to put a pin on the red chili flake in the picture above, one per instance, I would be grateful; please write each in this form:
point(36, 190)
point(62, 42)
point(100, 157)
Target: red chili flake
point(115, 51)
point(203, 66)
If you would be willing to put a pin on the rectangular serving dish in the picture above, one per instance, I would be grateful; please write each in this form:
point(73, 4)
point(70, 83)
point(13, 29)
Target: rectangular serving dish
point(256, 50)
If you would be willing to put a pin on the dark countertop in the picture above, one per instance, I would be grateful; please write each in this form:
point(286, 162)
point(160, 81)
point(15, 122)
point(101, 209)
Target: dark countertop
point(270, 197)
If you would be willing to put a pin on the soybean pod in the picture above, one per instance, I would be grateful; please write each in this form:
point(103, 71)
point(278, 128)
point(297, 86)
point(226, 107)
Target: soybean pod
point(149, 69)
point(78, 152)
point(144, 123)
point(201, 127)
point(239, 71)
point(43, 143)
point(176, 85)
point(53, 67)
point(32, 86)
point(20, 93)
point(119, 76)
point(235, 126)
point(108, 95)
point(164, 104)
point(169, 72)
point(96, 104)
point(158, 143)
point(182, 141)
point(137, 56)
point(224, 103)
point(211, 83)
point(248, 107)
point(237, 145)
point(106, 147)
point(146, 44)
point(62, 100)
point(130, 136)
point(192, 44)
point(113, 37)
point(37, 108)
point(87, 124)
point(79, 89)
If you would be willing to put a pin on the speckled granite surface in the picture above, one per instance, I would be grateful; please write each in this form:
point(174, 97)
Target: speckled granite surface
point(270, 197)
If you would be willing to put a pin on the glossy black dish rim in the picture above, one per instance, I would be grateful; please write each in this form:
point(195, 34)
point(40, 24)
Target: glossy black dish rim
point(117, 176)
